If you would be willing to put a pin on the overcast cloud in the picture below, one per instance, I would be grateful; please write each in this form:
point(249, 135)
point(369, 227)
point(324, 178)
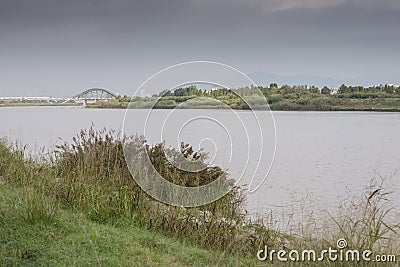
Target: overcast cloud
point(53, 47)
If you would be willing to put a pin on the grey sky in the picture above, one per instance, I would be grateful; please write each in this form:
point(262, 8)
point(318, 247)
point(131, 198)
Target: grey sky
point(53, 47)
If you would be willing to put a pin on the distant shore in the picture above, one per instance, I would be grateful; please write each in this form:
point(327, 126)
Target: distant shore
point(310, 103)
point(38, 105)
point(360, 106)
point(382, 98)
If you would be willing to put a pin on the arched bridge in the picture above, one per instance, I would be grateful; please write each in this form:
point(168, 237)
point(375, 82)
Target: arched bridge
point(94, 94)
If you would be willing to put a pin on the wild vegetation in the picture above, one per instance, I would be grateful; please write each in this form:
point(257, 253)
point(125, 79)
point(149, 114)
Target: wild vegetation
point(81, 205)
point(302, 98)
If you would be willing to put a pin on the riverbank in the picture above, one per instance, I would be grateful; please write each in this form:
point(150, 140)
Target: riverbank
point(48, 199)
point(36, 231)
point(44, 201)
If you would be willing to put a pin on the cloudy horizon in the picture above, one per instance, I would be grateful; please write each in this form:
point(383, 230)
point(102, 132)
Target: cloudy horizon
point(59, 48)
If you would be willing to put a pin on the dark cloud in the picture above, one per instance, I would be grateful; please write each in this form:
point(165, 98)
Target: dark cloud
point(57, 47)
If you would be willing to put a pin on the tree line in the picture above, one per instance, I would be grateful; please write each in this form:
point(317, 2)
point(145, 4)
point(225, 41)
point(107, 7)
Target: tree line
point(285, 97)
point(285, 90)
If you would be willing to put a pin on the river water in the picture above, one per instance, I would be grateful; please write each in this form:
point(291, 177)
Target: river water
point(322, 159)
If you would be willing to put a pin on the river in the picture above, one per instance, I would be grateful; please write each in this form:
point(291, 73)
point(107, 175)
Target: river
point(322, 158)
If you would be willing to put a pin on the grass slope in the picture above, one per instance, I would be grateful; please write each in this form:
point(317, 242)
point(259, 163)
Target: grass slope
point(35, 232)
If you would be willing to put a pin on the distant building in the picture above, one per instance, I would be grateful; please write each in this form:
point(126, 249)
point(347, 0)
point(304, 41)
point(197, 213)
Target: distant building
point(334, 91)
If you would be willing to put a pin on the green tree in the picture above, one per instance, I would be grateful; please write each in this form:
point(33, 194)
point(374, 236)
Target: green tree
point(326, 91)
point(344, 89)
point(273, 85)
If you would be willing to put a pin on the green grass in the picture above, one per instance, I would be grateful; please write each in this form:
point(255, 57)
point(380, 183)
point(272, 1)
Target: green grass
point(59, 237)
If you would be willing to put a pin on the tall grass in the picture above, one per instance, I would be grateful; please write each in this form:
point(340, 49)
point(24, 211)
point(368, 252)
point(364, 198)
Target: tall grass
point(367, 222)
point(91, 175)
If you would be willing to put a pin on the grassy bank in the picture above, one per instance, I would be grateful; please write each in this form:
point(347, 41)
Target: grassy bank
point(89, 182)
point(35, 231)
point(81, 206)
